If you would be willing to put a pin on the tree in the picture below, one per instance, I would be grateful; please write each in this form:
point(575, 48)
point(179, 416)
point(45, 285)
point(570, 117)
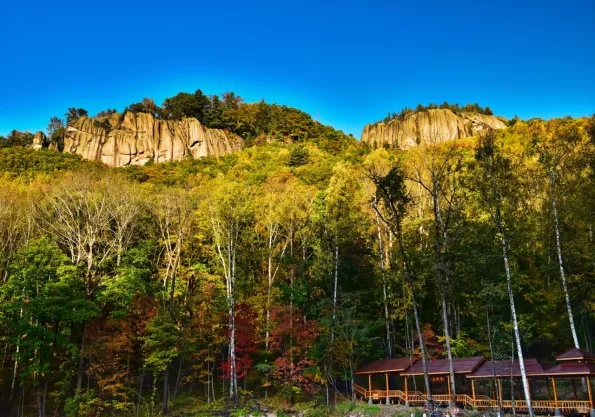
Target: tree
point(392, 192)
point(555, 150)
point(436, 171)
point(56, 131)
point(74, 114)
point(145, 106)
point(498, 188)
point(229, 213)
point(298, 156)
point(45, 296)
point(173, 213)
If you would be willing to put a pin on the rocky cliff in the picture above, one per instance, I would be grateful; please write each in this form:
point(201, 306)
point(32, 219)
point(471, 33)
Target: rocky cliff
point(432, 126)
point(139, 138)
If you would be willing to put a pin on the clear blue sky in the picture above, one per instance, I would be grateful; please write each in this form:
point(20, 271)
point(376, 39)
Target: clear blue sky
point(348, 62)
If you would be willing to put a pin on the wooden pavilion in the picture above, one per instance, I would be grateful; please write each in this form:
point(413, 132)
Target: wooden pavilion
point(573, 364)
point(572, 371)
point(439, 372)
point(495, 372)
point(384, 367)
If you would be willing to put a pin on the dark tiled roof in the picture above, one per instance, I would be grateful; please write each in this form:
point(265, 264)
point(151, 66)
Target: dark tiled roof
point(503, 368)
point(576, 355)
point(571, 369)
point(440, 366)
point(385, 365)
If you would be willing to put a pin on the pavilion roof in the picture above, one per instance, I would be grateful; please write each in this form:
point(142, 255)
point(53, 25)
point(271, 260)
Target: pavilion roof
point(576, 355)
point(386, 366)
point(570, 369)
point(440, 366)
point(506, 368)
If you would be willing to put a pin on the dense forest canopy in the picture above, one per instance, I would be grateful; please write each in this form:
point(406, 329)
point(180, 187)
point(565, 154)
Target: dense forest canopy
point(277, 270)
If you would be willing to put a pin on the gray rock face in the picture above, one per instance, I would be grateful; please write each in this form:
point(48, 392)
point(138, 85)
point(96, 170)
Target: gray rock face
point(432, 126)
point(140, 138)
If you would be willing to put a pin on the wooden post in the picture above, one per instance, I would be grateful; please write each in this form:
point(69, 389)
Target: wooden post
point(549, 391)
point(369, 388)
point(406, 393)
point(473, 387)
point(387, 398)
point(500, 389)
point(448, 383)
point(590, 392)
point(555, 392)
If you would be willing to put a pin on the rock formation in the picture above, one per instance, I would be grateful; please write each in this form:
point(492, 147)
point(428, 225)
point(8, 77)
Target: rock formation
point(139, 138)
point(41, 141)
point(432, 126)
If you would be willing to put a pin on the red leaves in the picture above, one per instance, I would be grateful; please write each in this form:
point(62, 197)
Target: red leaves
point(245, 340)
point(292, 336)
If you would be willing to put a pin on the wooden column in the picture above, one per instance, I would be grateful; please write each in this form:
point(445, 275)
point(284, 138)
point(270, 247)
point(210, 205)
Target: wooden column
point(549, 391)
point(473, 387)
point(555, 392)
point(387, 398)
point(500, 389)
point(590, 392)
point(406, 392)
point(370, 384)
point(448, 382)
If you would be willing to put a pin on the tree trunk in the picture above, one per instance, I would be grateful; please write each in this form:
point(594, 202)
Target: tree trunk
point(453, 397)
point(384, 292)
point(560, 260)
point(165, 407)
point(515, 323)
point(336, 280)
point(140, 389)
point(491, 343)
point(442, 276)
point(422, 345)
point(232, 345)
point(47, 375)
point(79, 380)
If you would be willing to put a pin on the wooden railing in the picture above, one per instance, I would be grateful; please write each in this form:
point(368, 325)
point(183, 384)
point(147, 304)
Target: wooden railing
point(481, 402)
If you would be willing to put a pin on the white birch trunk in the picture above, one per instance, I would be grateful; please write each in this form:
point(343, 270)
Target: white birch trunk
point(384, 292)
point(515, 323)
point(561, 262)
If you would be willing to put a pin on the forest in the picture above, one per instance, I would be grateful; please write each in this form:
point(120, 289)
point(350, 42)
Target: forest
point(269, 275)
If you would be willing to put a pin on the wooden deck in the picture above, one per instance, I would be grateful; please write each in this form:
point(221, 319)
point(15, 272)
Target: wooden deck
point(481, 402)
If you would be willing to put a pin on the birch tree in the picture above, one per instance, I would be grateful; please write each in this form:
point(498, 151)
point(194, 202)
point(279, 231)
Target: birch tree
point(229, 211)
point(173, 211)
point(498, 189)
point(436, 171)
point(555, 150)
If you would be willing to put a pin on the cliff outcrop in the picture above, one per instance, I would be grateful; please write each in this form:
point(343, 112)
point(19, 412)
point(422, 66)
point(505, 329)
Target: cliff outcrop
point(138, 138)
point(431, 126)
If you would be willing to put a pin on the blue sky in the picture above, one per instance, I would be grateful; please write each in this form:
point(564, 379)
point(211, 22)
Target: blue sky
point(347, 62)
